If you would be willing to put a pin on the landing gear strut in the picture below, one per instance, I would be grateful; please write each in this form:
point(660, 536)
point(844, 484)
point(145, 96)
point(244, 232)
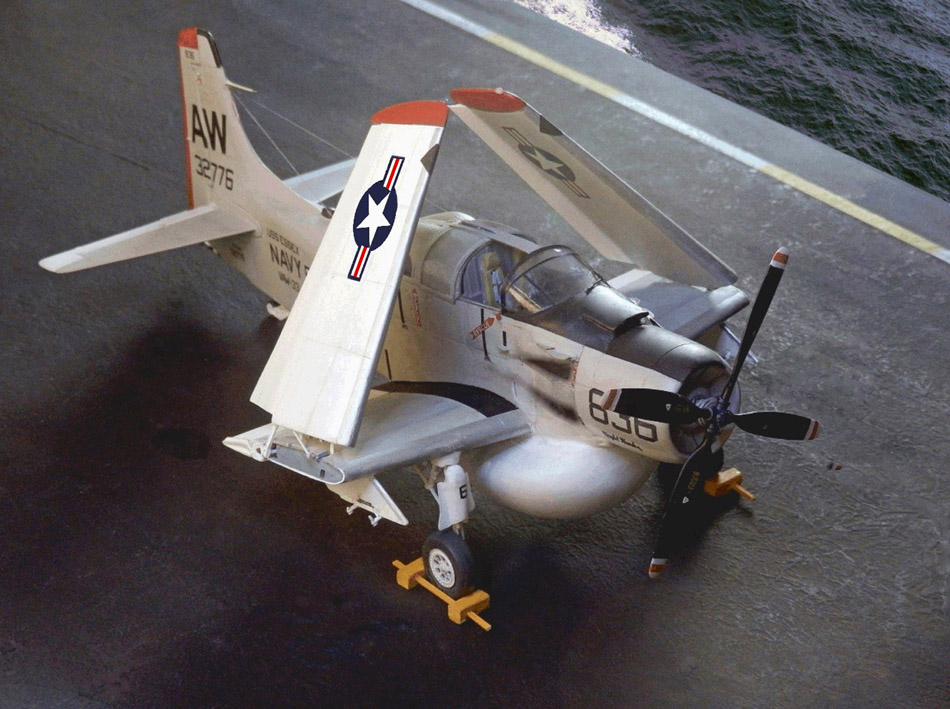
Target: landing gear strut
point(448, 561)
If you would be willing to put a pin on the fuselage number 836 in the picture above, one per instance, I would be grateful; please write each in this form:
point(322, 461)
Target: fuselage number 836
point(644, 430)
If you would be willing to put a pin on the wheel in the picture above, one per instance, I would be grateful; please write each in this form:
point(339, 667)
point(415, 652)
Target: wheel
point(449, 563)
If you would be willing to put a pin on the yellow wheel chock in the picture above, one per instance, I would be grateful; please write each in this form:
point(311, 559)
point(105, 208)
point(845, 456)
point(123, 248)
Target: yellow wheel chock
point(465, 608)
point(724, 482)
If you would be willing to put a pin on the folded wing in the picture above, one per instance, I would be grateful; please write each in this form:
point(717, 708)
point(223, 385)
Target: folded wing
point(318, 376)
point(610, 215)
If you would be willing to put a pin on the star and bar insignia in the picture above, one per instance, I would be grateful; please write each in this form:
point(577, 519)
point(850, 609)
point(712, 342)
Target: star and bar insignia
point(375, 213)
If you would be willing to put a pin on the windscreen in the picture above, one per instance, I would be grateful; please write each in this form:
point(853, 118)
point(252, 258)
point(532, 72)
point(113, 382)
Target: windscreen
point(546, 278)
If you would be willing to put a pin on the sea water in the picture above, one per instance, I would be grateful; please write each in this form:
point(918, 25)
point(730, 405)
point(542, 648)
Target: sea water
point(870, 78)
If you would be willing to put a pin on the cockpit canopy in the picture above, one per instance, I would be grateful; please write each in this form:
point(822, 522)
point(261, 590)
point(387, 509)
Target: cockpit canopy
point(484, 274)
point(504, 277)
point(550, 287)
point(545, 278)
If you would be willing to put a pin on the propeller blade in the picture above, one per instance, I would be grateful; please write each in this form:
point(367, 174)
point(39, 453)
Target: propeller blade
point(761, 306)
point(776, 424)
point(687, 485)
point(654, 405)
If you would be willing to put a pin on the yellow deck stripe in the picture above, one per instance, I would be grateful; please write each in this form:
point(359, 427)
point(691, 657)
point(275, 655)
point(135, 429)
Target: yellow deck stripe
point(552, 65)
point(856, 211)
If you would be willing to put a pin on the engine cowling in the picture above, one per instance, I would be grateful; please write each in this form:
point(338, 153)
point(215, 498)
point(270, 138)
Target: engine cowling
point(647, 356)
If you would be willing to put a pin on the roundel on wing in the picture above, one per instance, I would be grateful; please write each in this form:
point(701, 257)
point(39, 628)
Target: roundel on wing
point(374, 216)
point(549, 162)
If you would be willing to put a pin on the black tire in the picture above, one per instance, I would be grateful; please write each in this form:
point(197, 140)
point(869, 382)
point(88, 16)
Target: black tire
point(449, 563)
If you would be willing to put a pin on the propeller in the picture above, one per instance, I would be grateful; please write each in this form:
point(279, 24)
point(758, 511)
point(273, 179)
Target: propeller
point(655, 405)
point(672, 408)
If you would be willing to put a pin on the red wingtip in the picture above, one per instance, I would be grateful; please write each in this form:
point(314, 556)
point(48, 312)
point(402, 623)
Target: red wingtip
point(495, 100)
point(813, 431)
point(415, 113)
point(188, 38)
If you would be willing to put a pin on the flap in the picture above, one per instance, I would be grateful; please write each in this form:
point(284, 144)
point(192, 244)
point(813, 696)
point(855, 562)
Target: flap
point(195, 226)
point(610, 215)
point(318, 376)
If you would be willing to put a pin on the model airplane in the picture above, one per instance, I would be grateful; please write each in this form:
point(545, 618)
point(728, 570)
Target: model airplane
point(464, 348)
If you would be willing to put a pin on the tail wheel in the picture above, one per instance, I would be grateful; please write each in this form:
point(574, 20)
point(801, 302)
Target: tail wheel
point(449, 563)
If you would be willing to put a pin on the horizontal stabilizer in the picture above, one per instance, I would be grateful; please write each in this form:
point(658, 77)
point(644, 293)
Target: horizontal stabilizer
point(320, 185)
point(195, 226)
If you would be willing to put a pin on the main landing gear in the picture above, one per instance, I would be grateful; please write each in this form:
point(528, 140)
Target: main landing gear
point(447, 558)
point(447, 567)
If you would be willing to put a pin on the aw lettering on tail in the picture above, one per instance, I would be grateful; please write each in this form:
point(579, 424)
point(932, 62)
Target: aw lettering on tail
point(210, 130)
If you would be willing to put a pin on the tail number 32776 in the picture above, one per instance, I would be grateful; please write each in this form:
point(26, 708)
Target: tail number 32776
point(214, 173)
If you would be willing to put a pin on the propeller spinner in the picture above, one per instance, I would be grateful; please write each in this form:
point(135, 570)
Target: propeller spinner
point(714, 414)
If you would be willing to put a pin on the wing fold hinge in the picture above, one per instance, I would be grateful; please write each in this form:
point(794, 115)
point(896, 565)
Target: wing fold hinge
point(309, 457)
point(288, 449)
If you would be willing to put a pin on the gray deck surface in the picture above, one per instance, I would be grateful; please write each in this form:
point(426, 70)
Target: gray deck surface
point(144, 564)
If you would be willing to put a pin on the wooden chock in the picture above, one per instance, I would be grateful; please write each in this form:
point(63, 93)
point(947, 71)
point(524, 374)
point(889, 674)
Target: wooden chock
point(407, 575)
point(459, 609)
point(724, 482)
point(468, 607)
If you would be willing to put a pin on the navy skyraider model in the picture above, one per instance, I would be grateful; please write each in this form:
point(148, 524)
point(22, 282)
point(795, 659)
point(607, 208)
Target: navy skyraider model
point(486, 360)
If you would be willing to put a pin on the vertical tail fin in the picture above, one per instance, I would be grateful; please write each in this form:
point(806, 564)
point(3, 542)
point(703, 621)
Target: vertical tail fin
point(249, 216)
point(223, 169)
point(220, 158)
